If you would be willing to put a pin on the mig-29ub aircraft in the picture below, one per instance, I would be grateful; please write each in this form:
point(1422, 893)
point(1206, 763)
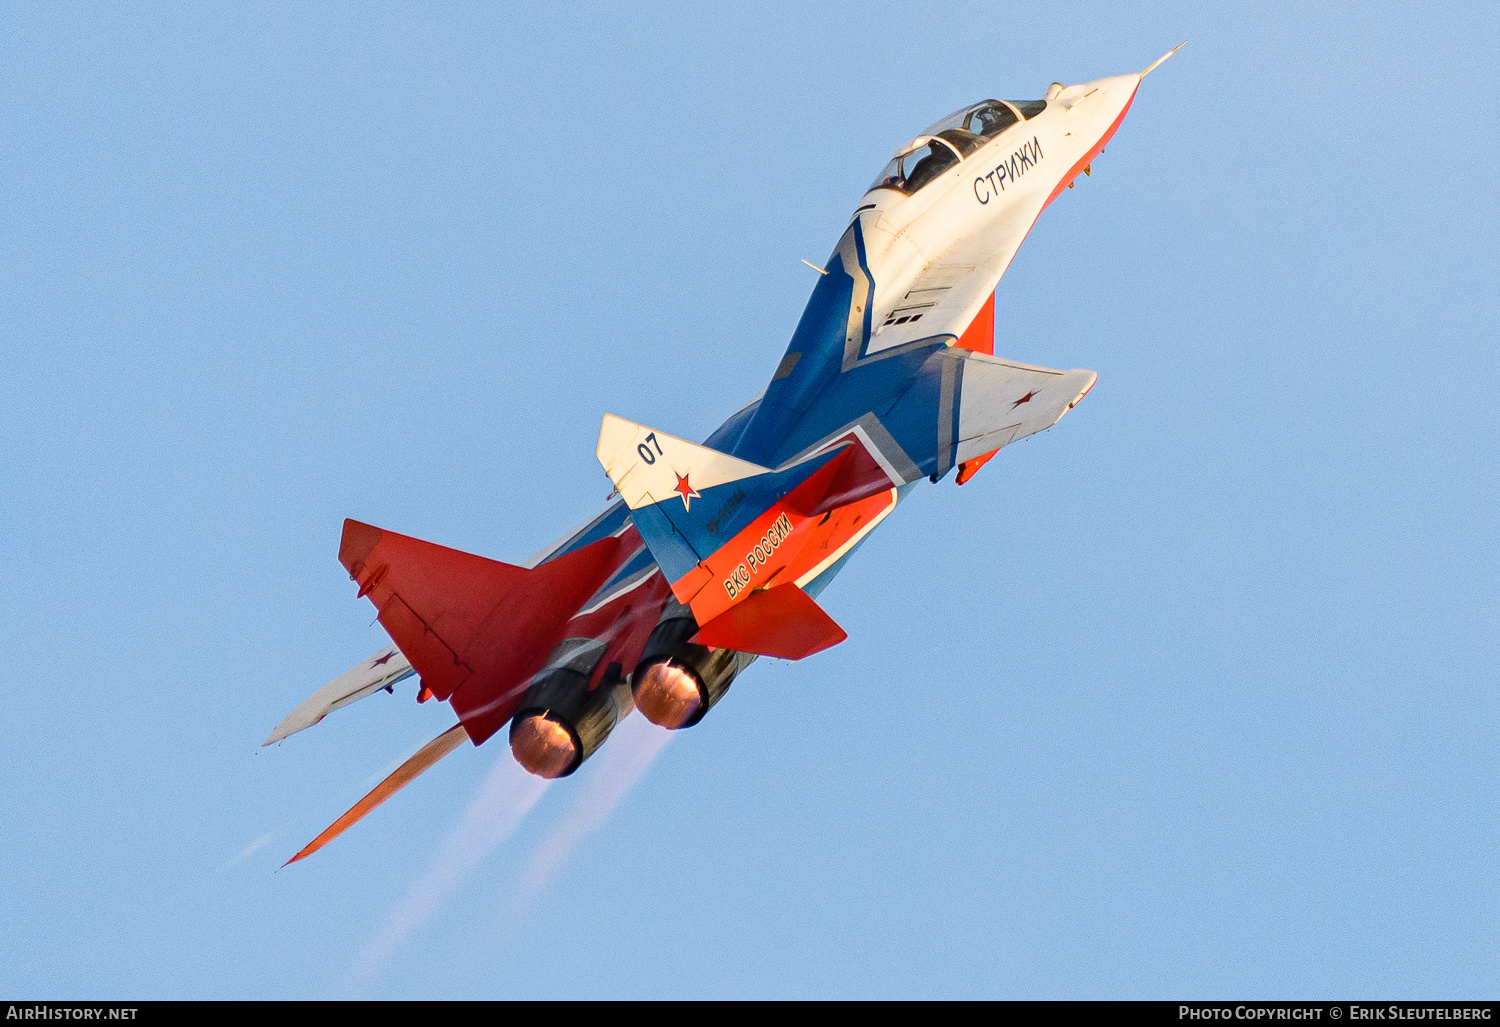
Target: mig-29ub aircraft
point(715, 554)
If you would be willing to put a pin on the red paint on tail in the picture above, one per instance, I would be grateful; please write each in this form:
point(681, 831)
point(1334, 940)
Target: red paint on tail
point(474, 629)
point(784, 622)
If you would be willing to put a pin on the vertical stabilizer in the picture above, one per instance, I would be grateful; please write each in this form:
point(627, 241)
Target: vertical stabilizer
point(690, 502)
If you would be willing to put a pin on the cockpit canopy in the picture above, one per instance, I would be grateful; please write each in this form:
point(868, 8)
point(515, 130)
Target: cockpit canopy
point(950, 140)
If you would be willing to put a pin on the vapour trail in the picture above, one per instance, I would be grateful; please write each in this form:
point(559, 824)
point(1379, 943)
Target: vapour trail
point(631, 749)
point(496, 810)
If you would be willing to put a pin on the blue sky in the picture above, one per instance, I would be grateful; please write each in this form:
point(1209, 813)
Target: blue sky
point(1194, 695)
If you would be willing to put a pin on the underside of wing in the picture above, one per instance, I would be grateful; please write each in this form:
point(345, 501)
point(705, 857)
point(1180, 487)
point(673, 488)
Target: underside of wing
point(403, 775)
point(381, 671)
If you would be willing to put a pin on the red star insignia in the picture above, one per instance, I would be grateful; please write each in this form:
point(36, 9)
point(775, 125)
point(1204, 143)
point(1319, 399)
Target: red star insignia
point(384, 659)
point(1024, 399)
point(687, 491)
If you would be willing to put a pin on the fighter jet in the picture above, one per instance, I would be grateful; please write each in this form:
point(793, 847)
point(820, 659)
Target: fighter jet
point(715, 553)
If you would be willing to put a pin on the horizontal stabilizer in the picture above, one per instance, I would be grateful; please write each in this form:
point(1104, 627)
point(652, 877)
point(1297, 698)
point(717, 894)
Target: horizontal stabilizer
point(382, 670)
point(474, 628)
point(784, 622)
point(426, 756)
point(964, 406)
point(1002, 402)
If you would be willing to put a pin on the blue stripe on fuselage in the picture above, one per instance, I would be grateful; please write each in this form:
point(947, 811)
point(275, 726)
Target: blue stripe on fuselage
point(819, 344)
point(872, 386)
point(680, 536)
point(607, 523)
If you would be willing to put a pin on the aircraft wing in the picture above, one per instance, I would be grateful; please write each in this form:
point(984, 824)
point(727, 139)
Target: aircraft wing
point(964, 406)
point(382, 670)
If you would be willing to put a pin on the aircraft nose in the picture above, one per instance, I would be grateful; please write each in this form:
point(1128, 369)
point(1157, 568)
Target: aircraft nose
point(1096, 108)
point(1109, 97)
point(1112, 96)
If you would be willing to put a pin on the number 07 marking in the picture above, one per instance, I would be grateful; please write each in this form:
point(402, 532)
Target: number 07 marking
point(645, 451)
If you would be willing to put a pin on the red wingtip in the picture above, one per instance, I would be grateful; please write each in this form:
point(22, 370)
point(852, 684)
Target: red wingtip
point(355, 544)
point(970, 467)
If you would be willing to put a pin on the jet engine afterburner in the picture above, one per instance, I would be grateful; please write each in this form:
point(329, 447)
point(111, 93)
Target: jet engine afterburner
point(561, 722)
point(676, 681)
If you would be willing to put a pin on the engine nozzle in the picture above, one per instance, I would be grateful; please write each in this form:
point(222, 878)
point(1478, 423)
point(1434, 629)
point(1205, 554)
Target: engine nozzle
point(677, 680)
point(669, 696)
point(543, 745)
point(561, 721)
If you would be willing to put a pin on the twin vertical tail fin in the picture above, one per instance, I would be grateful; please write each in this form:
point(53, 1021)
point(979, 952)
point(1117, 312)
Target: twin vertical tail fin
point(723, 530)
point(686, 500)
point(474, 628)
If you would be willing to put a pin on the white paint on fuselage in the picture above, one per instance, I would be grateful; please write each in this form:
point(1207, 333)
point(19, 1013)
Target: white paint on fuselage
point(965, 227)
